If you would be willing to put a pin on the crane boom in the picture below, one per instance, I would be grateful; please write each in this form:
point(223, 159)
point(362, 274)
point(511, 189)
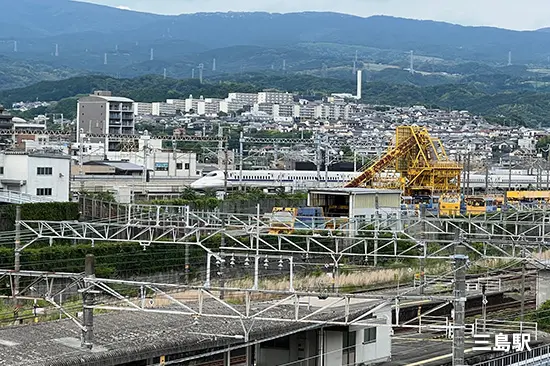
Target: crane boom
point(420, 161)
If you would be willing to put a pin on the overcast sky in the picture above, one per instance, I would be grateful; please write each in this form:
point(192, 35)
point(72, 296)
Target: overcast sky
point(512, 14)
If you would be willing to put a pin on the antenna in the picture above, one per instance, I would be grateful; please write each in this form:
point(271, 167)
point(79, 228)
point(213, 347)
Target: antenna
point(324, 70)
point(354, 67)
point(192, 73)
point(509, 58)
point(105, 59)
point(14, 46)
point(411, 67)
point(56, 50)
point(201, 67)
point(152, 57)
point(284, 65)
point(164, 73)
point(214, 64)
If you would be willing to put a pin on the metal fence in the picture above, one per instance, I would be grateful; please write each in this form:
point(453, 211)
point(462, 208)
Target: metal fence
point(493, 326)
point(539, 356)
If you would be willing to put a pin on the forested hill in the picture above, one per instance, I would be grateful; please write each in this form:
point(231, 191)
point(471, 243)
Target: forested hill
point(518, 107)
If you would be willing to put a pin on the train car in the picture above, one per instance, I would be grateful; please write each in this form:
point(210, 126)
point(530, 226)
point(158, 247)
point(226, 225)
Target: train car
point(452, 205)
point(431, 203)
point(477, 205)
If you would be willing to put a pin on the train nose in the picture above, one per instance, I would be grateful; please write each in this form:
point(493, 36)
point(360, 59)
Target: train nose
point(196, 184)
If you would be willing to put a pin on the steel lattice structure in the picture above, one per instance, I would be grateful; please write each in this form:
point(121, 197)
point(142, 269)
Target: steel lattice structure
point(505, 235)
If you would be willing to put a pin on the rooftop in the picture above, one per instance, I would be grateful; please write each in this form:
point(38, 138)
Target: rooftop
point(131, 336)
point(354, 191)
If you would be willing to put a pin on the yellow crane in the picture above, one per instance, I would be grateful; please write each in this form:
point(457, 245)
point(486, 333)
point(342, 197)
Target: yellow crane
point(420, 163)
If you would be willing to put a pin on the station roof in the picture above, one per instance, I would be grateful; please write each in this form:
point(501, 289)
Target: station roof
point(128, 336)
point(360, 191)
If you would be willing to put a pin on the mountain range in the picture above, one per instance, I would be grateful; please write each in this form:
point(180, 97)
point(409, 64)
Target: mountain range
point(65, 38)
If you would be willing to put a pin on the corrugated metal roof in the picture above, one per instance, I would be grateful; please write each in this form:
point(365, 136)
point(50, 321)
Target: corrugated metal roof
point(122, 165)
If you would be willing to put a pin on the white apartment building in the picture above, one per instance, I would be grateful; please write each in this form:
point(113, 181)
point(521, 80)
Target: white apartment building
point(163, 109)
point(275, 98)
point(143, 109)
point(36, 173)
point(236, 101)
point(178, 103)
point(205, 106)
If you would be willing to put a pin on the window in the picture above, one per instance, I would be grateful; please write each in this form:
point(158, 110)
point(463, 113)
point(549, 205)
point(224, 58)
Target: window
point(179, 166)
point(44, 171)
point(43, 191)
point(369, 335)
point(348, 348)
point(1, 170)
point(186, 166)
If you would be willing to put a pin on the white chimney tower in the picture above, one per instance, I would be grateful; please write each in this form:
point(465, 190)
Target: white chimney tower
point(359, 83)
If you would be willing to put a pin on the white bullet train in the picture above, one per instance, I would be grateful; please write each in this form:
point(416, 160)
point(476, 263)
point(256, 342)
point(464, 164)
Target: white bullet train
point(302, 179)
point(297, 179)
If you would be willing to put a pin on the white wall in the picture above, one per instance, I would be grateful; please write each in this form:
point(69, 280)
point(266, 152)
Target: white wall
point(333, 348)
point(376, 351)
point(23, 167)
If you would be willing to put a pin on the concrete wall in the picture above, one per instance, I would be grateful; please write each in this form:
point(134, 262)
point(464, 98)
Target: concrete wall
point(23, 167)
point(92, 115)
point(543, 287)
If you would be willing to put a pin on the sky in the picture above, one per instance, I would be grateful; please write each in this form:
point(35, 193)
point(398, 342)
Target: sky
point(511, 14)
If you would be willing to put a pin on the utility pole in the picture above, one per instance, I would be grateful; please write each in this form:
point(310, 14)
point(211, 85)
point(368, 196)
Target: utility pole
point(241, 158)
point(486, 179)
point(146, 139)
point(222, 214)
point(468, 175)
point(88, 299)
point(459, 303)
point(318, 156)
point(17, 260)
point(327, 162)
point(423, 243)
point(376, 227)
point(81, 159)
point(522, 310)
point(484, 305)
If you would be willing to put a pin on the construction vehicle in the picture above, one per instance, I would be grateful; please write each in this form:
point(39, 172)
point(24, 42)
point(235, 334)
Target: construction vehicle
point(282, 220)
point(286, 220)
point(420, 163)
point(309, 218)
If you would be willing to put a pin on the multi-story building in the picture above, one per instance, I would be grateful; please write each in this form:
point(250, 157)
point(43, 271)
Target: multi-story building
point(5, 123)
point(236, 101)
point(102, 113)
point(275, 98)
point(212, 106)
point(163, 109)
point(143, 109)
point(36, 173)
point(179, 104)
